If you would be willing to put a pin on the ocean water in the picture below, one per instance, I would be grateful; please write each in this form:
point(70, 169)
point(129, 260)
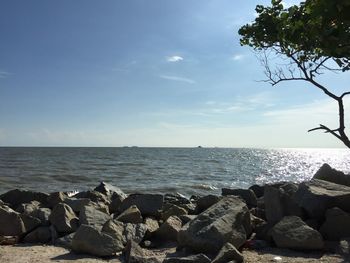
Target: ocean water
point(162, 170)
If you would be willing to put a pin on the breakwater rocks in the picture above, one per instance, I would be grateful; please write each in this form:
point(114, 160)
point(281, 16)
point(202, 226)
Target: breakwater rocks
point(106, 222)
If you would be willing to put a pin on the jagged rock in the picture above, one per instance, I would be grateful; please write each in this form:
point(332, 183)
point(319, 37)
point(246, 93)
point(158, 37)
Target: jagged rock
point(16, 197)
point(291, 232)
point(89, 240)
point(93, 196)
point(28, 208)
point(131, 215)
point(110, 191)
point(115, 204)
point(55, 198)
point(187, 218)
point(64, 219)
point(316, 196)
point(124, 232)
point(337, 224)
point(226, 221)
point(42, 234)
point(227, 253)
point(246, 194)
point(279, 202)
point(148, 204)
point(77, 204)
point(329, 174)
point(199, 258)
point(42, 214)
point(65, 241)
point(135, 254)
point(258, 190)
point(173, 210)
point(263, 231)
point(11, 223)
point(89, 215)
point(176, 199)
point(203, 203)
point(169, 229)
point(151, 225)
point(30, 222)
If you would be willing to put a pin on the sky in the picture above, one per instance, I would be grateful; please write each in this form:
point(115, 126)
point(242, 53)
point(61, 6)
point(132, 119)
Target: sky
point(147, 73)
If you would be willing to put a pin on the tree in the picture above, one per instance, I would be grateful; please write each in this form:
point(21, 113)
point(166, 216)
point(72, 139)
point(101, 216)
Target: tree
point(314, 36)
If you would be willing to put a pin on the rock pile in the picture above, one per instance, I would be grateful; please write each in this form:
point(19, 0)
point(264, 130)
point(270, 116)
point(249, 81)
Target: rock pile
point(106, 222)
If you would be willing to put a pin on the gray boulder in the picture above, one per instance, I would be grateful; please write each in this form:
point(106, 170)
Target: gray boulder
point(124, 232)
point(199, 258)
point(135, 254)
point(152, 225)
point(226, 221)
point(77, 204)
point(11, 223)
point(89, 240)
point(329, 174)
point(291, 232)
point(172, 210)
point(258, 190)
point(247, 195)
point(169, 229)
point(131, 215)
point(42, 214)
point(28, 208)
point(93, 196)
point(55, 198)
point(16, 197)
point(42, 234)
point(279, 202)
point(227, 253)
point(148, 204)
point(64, 219)
point(30, 222)
point(89, 215)
point(65, 241)
point(337, 224)
point(204, 202)
point(110, 191)
point(317, 196)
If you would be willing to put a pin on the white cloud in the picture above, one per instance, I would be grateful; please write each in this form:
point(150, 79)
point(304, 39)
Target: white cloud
point(174, 59)
point(4, 74)
point(177, 78)
point(237, 57)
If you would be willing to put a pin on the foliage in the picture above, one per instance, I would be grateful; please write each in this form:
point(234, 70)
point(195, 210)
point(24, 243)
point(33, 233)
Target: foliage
point(312, 35)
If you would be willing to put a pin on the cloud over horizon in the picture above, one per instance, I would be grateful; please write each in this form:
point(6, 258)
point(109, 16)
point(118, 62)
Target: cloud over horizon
point(174, 58)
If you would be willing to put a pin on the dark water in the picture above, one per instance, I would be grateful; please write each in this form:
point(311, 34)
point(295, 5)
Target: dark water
point(183, 170)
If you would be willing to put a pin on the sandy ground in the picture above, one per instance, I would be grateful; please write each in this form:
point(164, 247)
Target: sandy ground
point(39, 253)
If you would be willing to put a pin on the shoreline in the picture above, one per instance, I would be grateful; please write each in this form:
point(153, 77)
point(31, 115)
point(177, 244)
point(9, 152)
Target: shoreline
point(307, 220)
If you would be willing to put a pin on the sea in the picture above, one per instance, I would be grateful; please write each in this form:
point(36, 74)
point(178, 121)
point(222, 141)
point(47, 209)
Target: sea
point(187, 171)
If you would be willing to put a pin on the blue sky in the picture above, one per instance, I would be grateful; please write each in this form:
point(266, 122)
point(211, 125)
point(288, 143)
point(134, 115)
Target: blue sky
point(147, 73)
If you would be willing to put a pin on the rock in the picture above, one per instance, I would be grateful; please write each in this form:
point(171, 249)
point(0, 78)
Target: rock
point(42, 214)
point(258, 190)
point(89, 240)
point(187, 218)
point(16, 197)
point(226, 221)
point(316, 196)
point(55, 198)
point(203, 203)
point(110, 191)
point(115, 204)
point(329, 174)
point(291, 232)
point(135, 254)
point(263, 231)
point(227, 253)
point(11, 223)
point(148, 204)
point(64, 219)
point(93, 196)
point(173, 210)
point(8, 240)
point(199, 258)
point(42, 234)
point(337, 224)
point(30, 222)
point(124, 232)
point(279, 202)
point(65, 241)
point(247, 195)
point(77, 204)
point(28, 208)
point(131, 215)
point(169, 229)
point(89, 215)
point(176, 199)
point(151, 225)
